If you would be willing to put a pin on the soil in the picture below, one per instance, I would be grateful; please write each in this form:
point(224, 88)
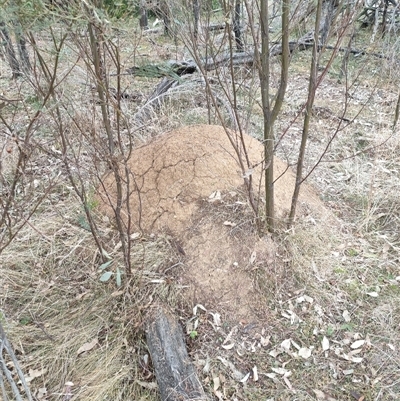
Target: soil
point(188, 183)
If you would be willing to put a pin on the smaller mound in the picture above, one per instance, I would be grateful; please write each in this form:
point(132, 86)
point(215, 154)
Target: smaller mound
point(171, 174)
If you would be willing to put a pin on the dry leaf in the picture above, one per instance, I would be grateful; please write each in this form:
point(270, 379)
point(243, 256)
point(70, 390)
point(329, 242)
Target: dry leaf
point(323, 396)
point(286, 380)
point(219, 395)
point(216, 383)
point(346, 316)
point(351, 358)
point(357, 344)
point(135, 236)
point(229, 223)
point(264, 341)
point(87, 346)
point(282, 371)
point(216, 319)
point(229, 346)
point(200, 306)
point(42, 392)
point(319, 394)
point(325, 344)
point(34, 373)
point(230, 334)
point(305, 353)
point(292, 316)
point(215, 196)
point(275, 352)
point(244, 380)
point(255, 374)
point(148, 385)
point(236, 374)
point(285, 344)
point(348, 372)
point(308, 299)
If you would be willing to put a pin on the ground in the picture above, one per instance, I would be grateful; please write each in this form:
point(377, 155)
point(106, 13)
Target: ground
point(310, 313)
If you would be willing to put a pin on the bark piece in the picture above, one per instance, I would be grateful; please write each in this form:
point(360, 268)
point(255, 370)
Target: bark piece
point(175, 373)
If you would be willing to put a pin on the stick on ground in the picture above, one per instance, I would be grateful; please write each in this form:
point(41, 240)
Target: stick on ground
point(176, 376)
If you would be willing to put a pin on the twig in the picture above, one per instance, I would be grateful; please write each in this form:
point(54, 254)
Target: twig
point(5, 345)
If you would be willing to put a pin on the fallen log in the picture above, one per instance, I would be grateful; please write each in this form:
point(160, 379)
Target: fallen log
point(175, 69)
point(216, 27)
point(176, 376)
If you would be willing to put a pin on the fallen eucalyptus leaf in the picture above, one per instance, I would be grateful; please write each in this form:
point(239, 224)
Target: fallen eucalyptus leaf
point(245, 378)
point(200, 307)
point(34, 373)
point(325, 344)
point(282, 371)
point(348, 372)
point(305, 353)
point(285, 344)
point(229, 224)
point(357, 344)
point(216, 383)
point(236, 374)
point(255, 374)
point(87, 346)
point(147, 385)
point(346, 316)
point(216, 319)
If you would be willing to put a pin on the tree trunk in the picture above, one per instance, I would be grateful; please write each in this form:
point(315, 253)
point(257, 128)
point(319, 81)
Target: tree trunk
point(330, 11)
point(384, 17)
point(165, 12)
point(22, 50)
point(176, 376)
point(312, 87)
point(271, 113)
point(9, 50)
point(143, 21)
point(236, 26)
point(196, 15)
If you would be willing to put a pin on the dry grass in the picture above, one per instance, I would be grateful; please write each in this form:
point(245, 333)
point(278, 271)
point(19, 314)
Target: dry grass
point(53, 303)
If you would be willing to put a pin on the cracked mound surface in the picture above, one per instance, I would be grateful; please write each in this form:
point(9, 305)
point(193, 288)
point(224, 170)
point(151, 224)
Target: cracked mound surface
point(172, 179)
point(172, 173)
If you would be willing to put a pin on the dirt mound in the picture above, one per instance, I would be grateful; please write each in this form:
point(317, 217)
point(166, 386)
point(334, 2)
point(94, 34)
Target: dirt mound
point(174, 177)
point(172, 173)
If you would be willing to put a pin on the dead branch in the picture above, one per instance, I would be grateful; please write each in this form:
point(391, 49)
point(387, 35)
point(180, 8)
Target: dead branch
point(176, 376)
point(6, 347)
